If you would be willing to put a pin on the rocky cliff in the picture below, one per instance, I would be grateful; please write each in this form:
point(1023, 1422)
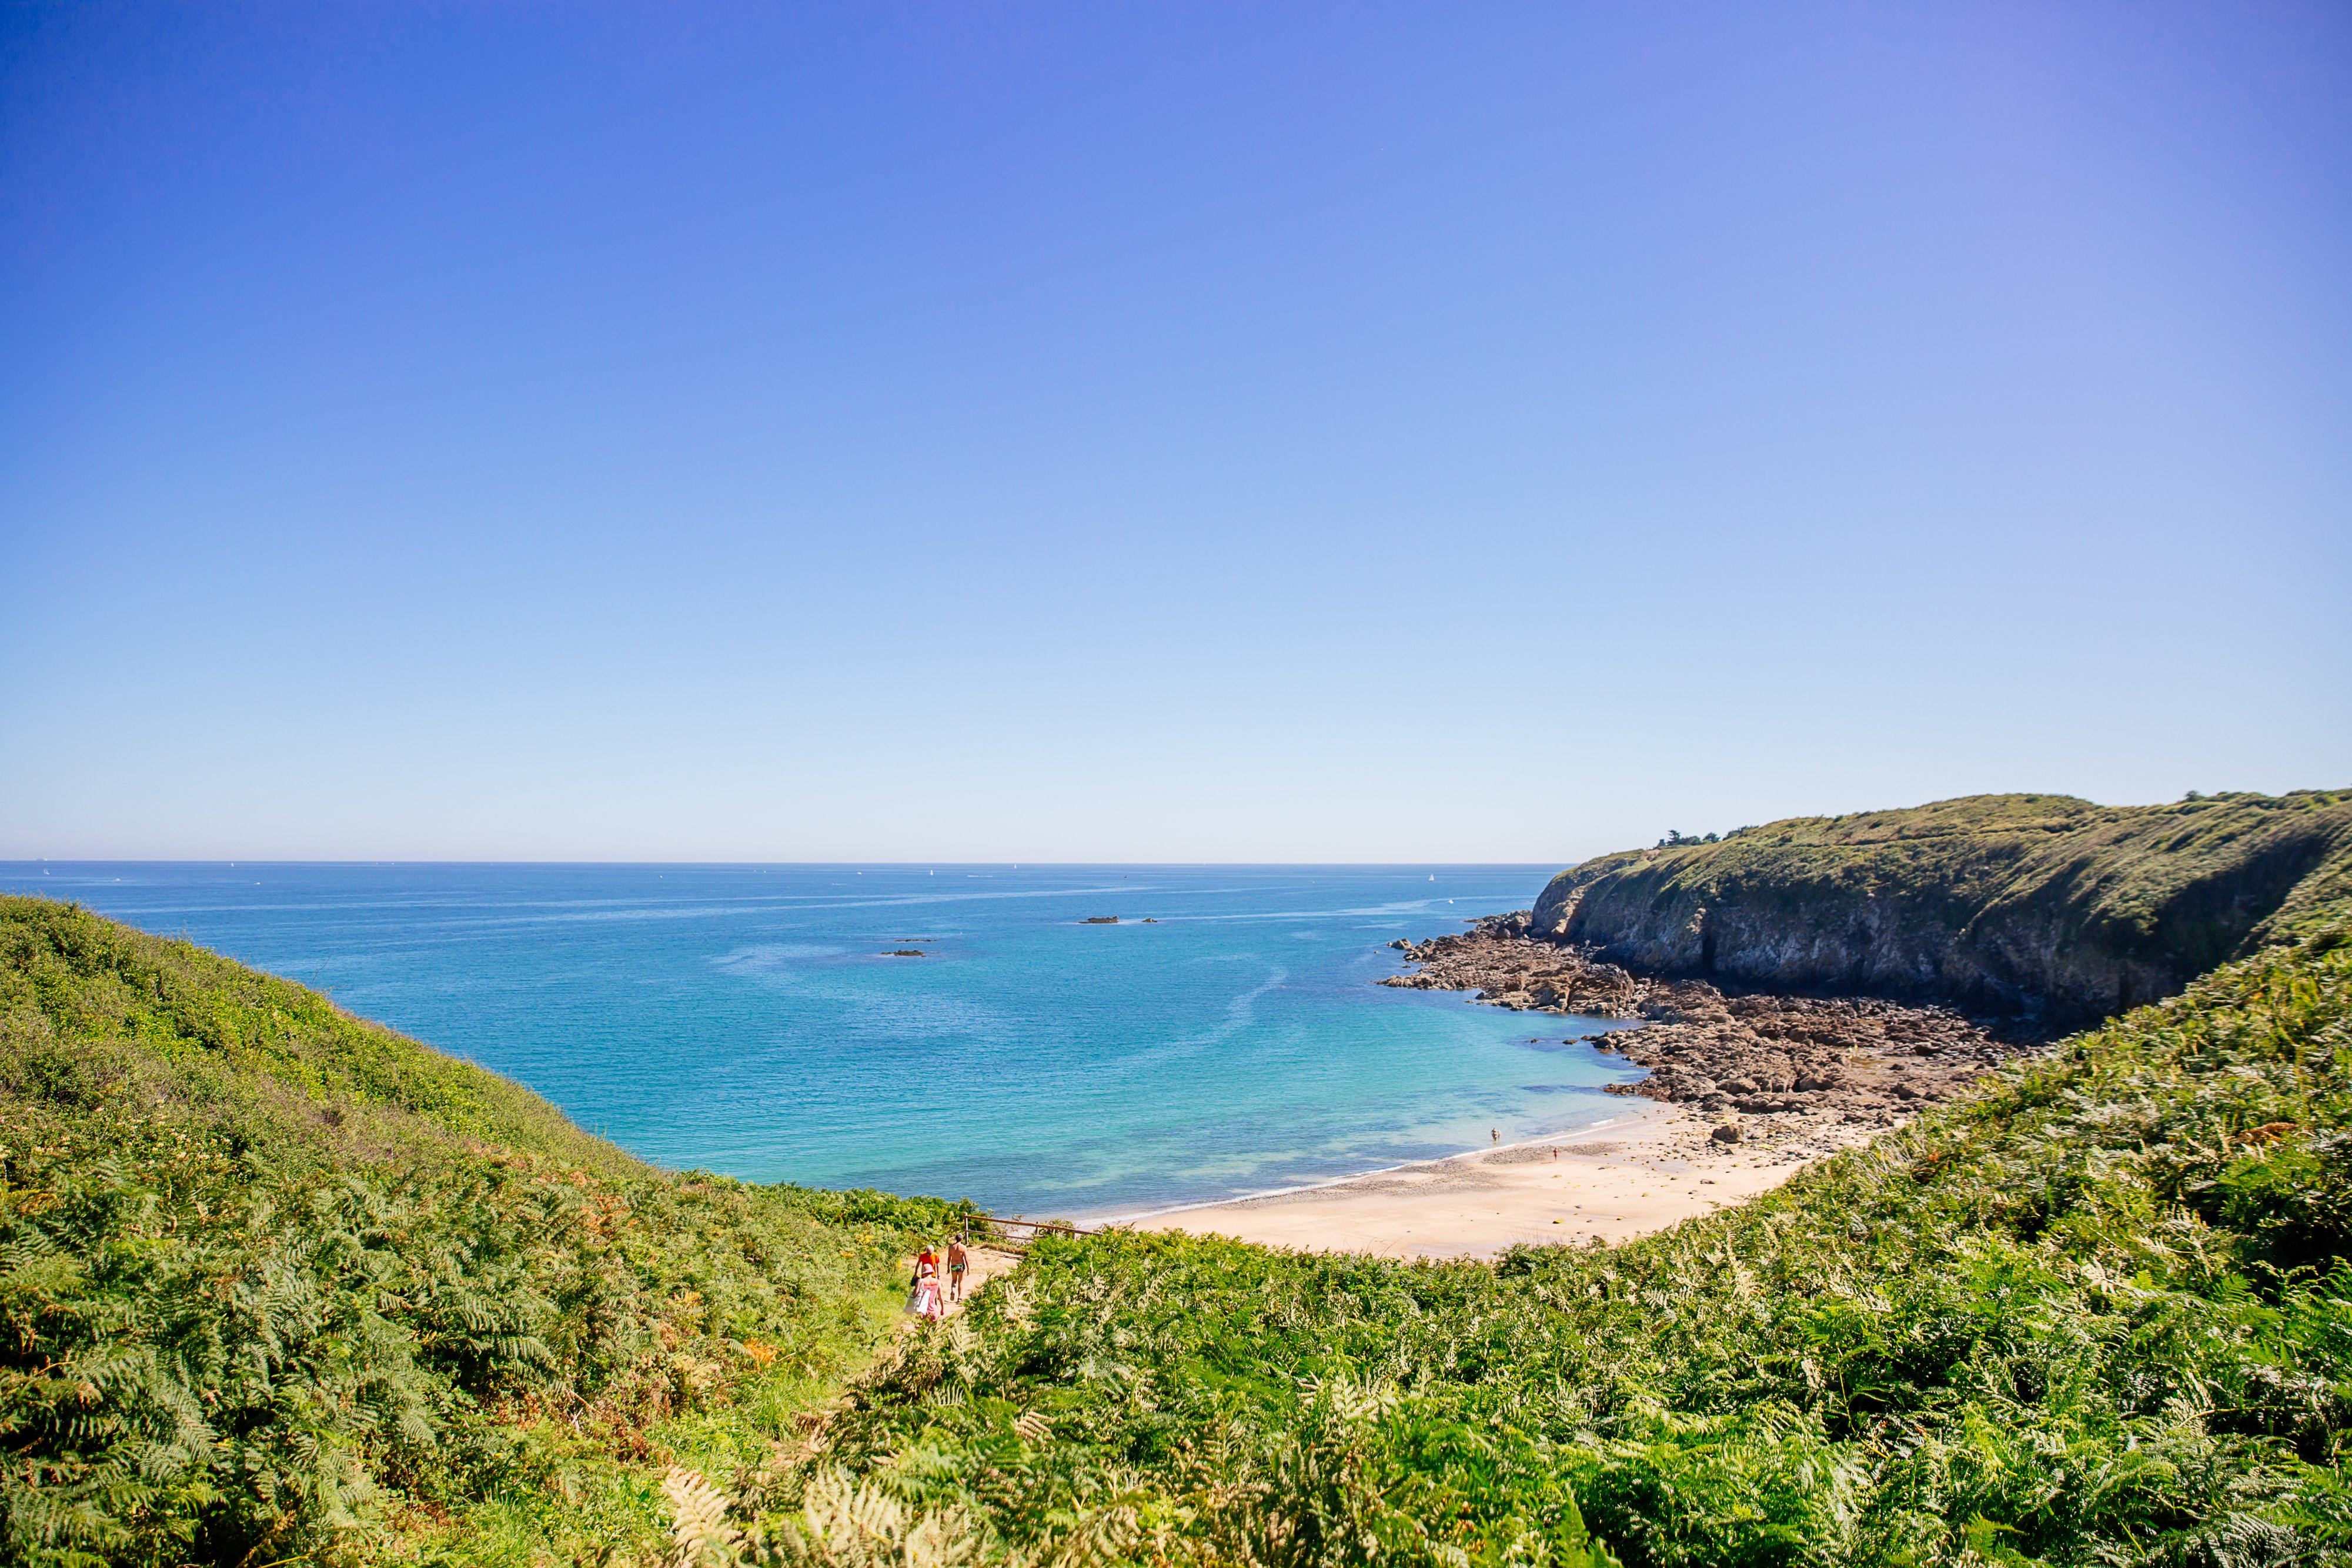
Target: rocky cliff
point(2040, 905)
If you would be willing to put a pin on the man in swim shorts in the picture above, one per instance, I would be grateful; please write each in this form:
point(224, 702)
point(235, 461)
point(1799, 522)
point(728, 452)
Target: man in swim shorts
point(958, 1260)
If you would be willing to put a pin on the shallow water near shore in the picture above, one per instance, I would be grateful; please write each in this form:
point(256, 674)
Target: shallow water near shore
point(752, 1019)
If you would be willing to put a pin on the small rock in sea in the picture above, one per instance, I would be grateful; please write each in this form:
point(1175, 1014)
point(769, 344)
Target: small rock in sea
point(904, 953)
point(1152, 920)
point(1726, 1133)
point(1102, 920)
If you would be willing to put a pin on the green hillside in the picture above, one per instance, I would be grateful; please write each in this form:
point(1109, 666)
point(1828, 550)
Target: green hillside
point(2033, 903)
point(2098, 1314)
point(280, 1285)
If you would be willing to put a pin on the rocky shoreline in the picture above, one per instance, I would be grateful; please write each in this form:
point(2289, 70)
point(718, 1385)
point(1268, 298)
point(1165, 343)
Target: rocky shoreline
point(1801, 1075)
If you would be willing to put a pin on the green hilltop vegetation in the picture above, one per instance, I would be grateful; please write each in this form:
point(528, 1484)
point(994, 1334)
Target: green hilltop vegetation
point(283, 1287)
point(2041, 904)
point(279, 1285)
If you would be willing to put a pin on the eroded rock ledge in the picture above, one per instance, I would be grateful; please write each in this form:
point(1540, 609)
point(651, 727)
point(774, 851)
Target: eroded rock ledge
point(1804, 1066)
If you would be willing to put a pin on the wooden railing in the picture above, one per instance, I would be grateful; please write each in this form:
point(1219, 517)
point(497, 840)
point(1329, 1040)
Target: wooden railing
point(1028, 1230)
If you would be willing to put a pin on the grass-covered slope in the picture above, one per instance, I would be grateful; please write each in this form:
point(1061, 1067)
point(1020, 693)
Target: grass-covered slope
point(2041, 903)
point(281, 1285)
point(2096, 1315)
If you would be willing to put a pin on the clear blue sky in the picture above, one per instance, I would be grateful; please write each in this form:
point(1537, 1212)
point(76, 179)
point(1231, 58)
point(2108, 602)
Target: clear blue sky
point(1185, 432)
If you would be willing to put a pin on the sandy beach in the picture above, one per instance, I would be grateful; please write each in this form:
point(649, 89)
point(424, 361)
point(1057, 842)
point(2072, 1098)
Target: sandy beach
point(1651, 1169)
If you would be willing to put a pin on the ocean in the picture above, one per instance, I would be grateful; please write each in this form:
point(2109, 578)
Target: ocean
point(754, 1020)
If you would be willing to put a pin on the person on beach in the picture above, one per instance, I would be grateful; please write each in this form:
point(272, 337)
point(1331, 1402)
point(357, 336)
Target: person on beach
point(959, 1260)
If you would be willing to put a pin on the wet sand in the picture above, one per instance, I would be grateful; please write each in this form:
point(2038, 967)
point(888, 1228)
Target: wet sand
point(1653, 1168)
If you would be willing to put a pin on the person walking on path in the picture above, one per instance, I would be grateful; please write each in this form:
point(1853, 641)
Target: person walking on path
point(924, 1300)
point(959, 1260)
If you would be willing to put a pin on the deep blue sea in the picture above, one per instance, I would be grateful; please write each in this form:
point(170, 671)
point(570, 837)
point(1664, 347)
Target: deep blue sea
point(748, 1018)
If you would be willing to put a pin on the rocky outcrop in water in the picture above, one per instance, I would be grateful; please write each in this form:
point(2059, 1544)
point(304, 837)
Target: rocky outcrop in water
point(1847, 1060)
point(1498, 958)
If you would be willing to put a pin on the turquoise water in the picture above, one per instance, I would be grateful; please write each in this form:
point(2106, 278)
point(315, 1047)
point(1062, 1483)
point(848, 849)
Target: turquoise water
point(746, 1020)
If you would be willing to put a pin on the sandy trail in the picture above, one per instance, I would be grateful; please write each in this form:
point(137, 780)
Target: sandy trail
point(1651, 1169)
point(987, 1263)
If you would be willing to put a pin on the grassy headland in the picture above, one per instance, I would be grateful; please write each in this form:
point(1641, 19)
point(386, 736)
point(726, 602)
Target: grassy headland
point(278, 1284)
point(2036, 903)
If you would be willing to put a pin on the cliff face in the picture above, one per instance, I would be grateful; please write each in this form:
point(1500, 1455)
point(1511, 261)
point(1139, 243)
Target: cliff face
point(2040, 905)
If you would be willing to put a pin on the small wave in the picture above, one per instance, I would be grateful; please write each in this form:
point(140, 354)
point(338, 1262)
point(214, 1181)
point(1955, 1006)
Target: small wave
point(768, 955)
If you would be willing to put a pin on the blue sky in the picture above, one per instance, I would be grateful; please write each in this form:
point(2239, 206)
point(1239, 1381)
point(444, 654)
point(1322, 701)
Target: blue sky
point(1187, 431)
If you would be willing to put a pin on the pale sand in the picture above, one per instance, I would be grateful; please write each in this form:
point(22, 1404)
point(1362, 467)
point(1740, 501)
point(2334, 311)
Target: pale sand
point(1652, 1168)
point(987, 1263)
